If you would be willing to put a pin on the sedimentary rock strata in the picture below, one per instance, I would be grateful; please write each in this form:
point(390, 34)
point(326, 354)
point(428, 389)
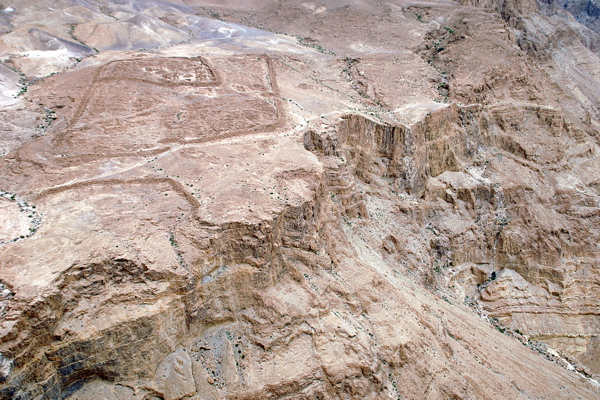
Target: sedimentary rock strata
point(307, 201)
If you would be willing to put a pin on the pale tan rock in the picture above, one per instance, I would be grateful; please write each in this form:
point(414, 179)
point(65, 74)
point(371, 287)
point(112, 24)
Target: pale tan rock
point(174, 377)
point(227, 212)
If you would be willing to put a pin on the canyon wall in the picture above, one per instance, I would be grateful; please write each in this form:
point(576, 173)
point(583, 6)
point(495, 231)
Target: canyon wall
point(299, 201)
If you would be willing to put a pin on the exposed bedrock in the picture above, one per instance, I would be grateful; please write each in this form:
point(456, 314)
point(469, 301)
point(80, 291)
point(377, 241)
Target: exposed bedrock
point(192, 219)
point(299, 306)
point(118, 318)
point(502, 208)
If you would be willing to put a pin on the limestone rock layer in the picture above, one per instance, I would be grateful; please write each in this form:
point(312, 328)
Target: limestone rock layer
point(292, 200)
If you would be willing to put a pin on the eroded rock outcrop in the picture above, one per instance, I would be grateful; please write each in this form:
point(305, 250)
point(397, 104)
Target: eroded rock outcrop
point(512, 244)
point(241, 214)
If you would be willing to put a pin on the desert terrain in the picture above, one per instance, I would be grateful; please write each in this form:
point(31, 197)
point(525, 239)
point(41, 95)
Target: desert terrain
point(299, 200)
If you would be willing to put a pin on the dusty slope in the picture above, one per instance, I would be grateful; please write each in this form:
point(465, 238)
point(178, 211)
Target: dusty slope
point(208, 210)
point(585, 11)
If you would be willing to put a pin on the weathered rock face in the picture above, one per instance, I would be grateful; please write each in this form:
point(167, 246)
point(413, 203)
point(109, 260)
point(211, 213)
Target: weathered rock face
point(533, 249)
point(510, 242)
point(586, 12)
point(241, 214)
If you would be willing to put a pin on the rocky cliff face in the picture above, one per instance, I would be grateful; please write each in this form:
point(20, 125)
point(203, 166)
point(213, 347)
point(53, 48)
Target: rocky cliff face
point(485, 234)
point(200, 209)
point(587, 12)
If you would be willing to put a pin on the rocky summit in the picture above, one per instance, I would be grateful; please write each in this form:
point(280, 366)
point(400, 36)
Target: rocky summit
point(339, 199)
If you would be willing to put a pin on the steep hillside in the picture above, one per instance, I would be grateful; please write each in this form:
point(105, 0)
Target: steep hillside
point(285, 200)
point(587, 12)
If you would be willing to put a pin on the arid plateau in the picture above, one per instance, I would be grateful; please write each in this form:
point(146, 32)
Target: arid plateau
point(341, 199)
